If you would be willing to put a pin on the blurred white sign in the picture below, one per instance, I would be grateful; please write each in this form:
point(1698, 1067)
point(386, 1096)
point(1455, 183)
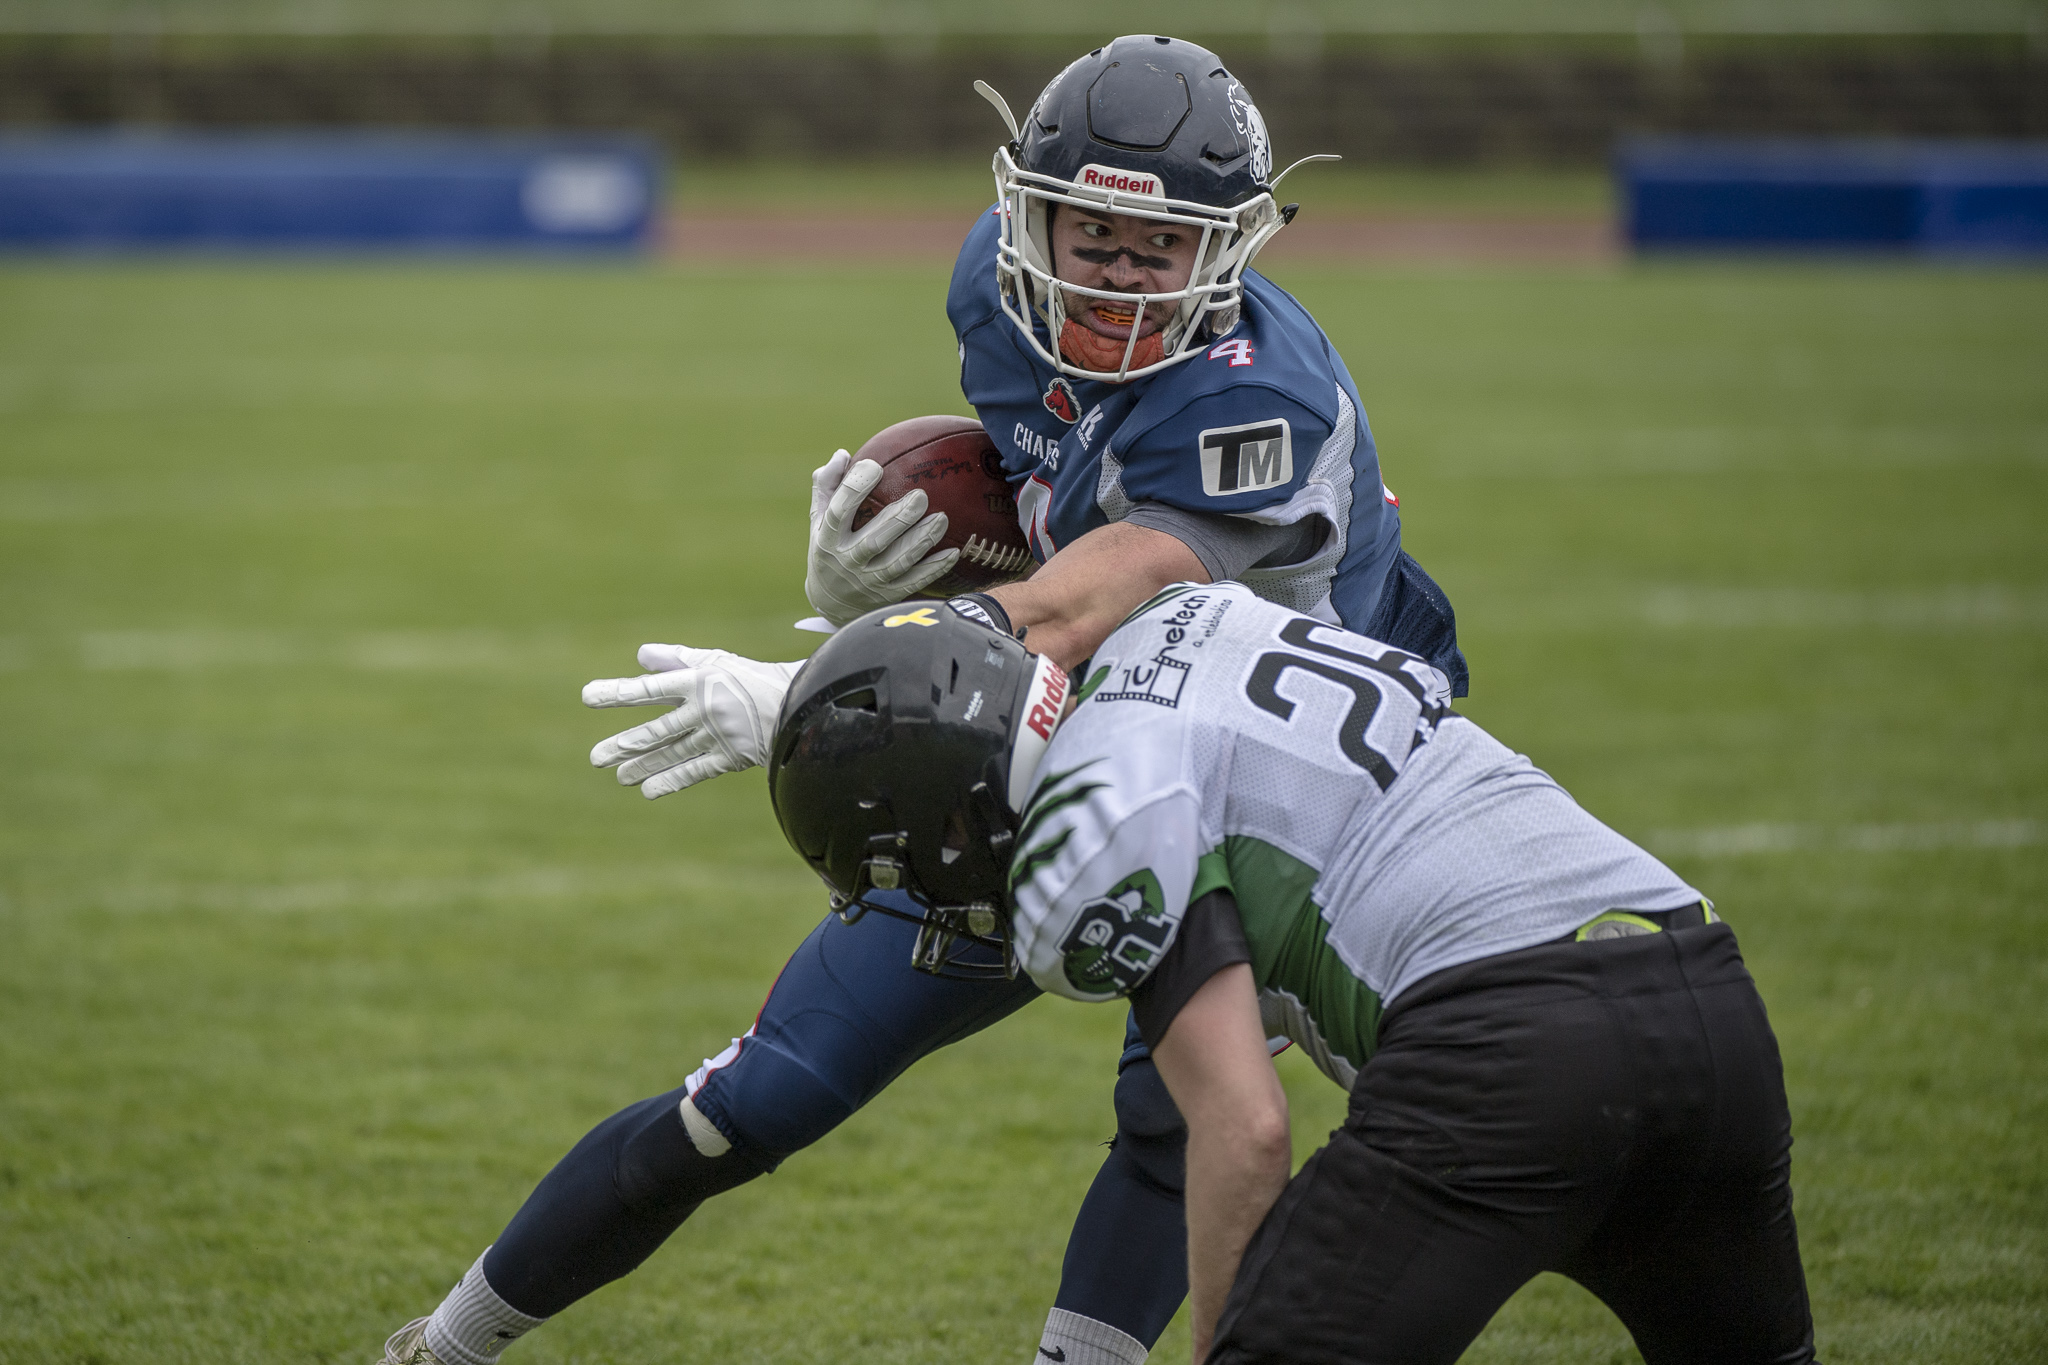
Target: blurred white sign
point(583, 194)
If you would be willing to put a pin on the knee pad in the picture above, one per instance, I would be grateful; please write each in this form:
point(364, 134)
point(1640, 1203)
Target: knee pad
point(660, 1173)
point(1150, 1132)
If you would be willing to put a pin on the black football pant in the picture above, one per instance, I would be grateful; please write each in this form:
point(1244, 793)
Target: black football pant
point(1612, 1110)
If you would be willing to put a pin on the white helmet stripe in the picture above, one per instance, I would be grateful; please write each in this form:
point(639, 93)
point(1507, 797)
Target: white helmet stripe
point(1038, 716)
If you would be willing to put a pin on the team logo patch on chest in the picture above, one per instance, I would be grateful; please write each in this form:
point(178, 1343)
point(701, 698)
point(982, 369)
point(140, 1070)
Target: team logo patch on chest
point(1247, 458)
point(1059, 400)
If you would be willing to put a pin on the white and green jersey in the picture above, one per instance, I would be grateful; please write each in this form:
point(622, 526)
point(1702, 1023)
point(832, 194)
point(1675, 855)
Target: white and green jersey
point(1369, 835)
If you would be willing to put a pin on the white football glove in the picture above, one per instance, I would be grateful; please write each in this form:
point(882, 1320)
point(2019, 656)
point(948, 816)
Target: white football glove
point(850, 573)
point(724, 716)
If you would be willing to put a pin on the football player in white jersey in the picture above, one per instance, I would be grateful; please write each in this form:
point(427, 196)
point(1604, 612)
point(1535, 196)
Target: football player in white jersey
point(1248, 821)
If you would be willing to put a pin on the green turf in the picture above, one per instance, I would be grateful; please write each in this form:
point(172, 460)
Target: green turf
point(320, 942)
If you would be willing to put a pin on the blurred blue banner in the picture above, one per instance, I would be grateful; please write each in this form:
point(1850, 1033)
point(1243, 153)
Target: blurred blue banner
point(325, 191)
point(1971, 197)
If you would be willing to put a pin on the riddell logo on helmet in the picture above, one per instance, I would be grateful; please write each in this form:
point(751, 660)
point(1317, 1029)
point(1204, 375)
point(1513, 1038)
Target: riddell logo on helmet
point(1045, 710)
point(1124, 182)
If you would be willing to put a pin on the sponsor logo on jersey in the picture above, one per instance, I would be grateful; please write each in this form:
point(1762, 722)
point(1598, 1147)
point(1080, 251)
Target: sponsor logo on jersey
point(1158, 680)
point(1096, 177)
point(1388, 494)
point(921, 617)
point(1085, 433)
point(1117, 939)
point(1246, 458)
point(1059, 399)
point(1033, 446)
point(1237, 351)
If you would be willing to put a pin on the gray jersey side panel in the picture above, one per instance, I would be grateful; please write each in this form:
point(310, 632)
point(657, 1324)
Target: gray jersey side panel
point(1476, 851)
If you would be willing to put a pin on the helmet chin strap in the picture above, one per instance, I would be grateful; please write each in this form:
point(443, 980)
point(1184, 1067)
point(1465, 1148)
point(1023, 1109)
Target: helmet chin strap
point(1092, 352)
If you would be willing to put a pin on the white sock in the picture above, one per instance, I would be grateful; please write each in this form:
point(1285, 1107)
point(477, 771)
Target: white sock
point(1071, 1339)
point(473, 1324)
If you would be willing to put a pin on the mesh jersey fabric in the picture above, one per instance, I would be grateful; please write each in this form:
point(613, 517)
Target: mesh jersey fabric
point(1370, 836)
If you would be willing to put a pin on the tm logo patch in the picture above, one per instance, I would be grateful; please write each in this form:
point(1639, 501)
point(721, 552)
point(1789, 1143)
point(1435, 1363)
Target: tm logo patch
point(1117, 939)
point(1247, 458)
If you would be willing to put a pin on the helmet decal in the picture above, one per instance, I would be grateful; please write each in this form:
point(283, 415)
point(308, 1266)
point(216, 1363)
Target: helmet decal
point(1130, 182)
point(1039, 716)
point(1252, 128)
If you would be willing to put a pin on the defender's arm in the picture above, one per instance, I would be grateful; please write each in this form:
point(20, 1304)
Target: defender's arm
point(1086, 590)
point(1214, 1062)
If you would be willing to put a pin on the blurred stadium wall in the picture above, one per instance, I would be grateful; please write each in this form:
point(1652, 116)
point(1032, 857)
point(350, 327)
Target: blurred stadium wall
point(1392, 81)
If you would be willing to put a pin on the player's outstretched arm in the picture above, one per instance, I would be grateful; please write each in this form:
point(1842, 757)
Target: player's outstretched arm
point(722, 717)
point(849, 573)
point(1216, 1066)
point(1086, 590)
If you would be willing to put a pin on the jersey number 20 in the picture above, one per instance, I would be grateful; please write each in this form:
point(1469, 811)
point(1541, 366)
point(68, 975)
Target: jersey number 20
point(1366, 696)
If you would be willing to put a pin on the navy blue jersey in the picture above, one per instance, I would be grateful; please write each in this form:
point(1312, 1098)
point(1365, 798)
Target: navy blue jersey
point(1265, 424)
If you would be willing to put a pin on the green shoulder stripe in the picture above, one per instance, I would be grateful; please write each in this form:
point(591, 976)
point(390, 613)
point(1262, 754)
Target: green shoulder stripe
point(1047, 797)
point(1052, 794)
point(1031, 860)
point(1087, 689)
point(1289, 939)
point(1212, 870)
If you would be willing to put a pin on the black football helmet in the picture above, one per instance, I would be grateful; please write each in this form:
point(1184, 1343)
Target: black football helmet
point(1150, 126)
point(903, 753)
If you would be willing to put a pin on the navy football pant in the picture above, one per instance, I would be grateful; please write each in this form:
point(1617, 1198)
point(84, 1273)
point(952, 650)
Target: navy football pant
point(846, 1017)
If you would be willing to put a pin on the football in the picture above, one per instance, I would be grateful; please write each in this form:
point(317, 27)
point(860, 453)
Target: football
point(955, 463)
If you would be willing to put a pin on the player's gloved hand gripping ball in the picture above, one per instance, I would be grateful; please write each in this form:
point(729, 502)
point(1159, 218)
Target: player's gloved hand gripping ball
point(850, 572)
point(723, 721)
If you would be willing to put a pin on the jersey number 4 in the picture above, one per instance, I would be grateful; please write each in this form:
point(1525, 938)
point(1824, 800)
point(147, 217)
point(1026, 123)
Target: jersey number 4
point(1263, 689)
point(1237, 351)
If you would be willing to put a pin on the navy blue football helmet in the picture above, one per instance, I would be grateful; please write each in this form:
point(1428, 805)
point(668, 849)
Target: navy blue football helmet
point(1153, 127)
point(905, 748)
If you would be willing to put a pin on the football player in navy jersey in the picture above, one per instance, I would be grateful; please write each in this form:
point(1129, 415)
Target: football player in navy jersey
point(1165, 415)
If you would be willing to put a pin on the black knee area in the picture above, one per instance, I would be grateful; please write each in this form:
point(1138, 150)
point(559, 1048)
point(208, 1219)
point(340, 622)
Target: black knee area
point(660, 1173)
point(1150, 1132)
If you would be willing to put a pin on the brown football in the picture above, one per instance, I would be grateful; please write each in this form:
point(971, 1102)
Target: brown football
point(955, 463)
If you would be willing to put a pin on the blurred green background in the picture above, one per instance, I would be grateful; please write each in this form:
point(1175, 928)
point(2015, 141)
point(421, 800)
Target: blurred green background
point(320, 941)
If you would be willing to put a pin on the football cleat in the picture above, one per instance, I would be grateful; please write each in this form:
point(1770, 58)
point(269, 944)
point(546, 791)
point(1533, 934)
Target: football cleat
point(408, 1346)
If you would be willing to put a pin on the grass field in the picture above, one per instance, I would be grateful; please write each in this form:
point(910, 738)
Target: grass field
point(320, 941)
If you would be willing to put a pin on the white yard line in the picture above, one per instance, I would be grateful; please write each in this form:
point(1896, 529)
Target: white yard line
point(1983, 605)
point(1734, 841)
point(795, 885)
point(1988, 606)
point(424, 893)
